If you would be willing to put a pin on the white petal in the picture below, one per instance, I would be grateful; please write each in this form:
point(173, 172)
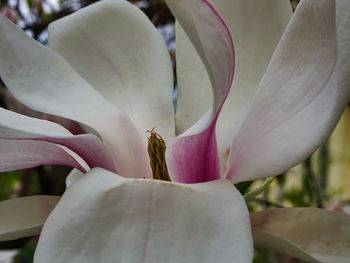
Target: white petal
point(14, 105)
point(6, 256)
point(302, 94)
point(311, 234)
point(74, 176)
point(127, 61)
point(256, 27)
point(44, 81)
point(105, 218)
point(25, 216)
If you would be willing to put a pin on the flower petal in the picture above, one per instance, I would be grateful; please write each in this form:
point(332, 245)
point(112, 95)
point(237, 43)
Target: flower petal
point(25, 216)
point(256, 27)
point(311, 234)
point(105, 218)
point(7, 256)
point(87, 146)
point(74, 176)
point(127, 62)
point(42, 80)
point(301, 96)
point(22, 154)
point(193, 157)
point(14, 105)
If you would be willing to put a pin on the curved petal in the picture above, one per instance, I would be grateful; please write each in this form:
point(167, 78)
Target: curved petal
point(25, 216)
point(193, 156)
point(256, 27)
point(311, 234)
point(301, 96)
point(14, 105)
point(87, 146)
point(22, 154)
point(43, 81)
point(105, 218)
point(127, 62)
point(74, 176)
point(268, 240)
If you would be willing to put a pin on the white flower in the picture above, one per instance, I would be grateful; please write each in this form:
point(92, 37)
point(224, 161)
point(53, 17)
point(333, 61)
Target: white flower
point(108, 69)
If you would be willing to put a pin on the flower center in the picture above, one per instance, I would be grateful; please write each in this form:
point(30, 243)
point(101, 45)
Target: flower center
point(156, 150)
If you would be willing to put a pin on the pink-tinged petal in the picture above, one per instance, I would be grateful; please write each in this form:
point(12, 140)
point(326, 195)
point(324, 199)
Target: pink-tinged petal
point(311, 234)
point(193, 156)
point(127, 62)
point(301, 96)
point(14, 105)
point(42, 80)
point(87, 146)
point(25, 216)
point(106, 218)
point(256, 27)
point(22, 154)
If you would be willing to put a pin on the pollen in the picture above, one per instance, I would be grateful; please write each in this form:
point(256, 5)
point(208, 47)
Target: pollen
point(156, 151)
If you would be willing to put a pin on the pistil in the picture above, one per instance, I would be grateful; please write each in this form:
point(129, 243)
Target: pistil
point(156, 150)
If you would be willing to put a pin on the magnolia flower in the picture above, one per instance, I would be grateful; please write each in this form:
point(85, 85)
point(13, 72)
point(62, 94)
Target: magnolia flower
point(108, 69)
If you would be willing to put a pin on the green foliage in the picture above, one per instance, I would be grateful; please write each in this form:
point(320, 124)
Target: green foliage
point(281, 179)
point(26, 254)
point(297, 197)
point(243, 186)
point(8, 183)
point(255, 192)
point(261, 255)
point(19, 183)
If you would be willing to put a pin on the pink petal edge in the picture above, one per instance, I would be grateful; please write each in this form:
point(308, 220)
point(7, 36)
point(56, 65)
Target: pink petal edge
point(22, 154)
point(194, 158)
point(20, 127)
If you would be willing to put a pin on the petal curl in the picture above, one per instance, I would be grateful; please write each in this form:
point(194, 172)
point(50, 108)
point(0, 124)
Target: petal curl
point(14, 105)
point(106, 218)
point(256, 27)
point(23, 154)
point(74, 176)
point(311, 234)
point(193, 156)
point(87, 146)
point(301, 96)
point(127, 62)
point(44, 81)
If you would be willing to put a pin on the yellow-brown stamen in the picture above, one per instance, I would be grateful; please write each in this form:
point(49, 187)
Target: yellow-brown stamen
point(156, 151)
